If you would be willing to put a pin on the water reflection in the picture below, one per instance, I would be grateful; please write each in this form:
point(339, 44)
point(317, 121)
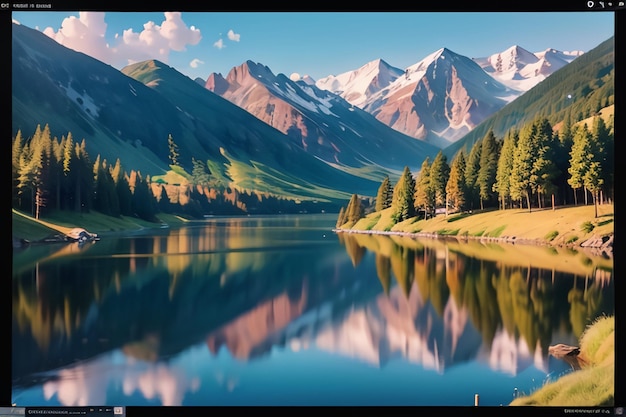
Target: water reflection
point(200, 315)
point(528, 292)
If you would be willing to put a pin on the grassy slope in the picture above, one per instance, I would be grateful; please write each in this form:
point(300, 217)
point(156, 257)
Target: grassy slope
point(593, 385)
point(26, 227)
point(537, 226)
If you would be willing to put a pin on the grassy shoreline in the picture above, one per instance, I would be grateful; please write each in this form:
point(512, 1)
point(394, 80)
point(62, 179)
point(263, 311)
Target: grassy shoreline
point(591, 386)
point(27, 229)
point(564, 226)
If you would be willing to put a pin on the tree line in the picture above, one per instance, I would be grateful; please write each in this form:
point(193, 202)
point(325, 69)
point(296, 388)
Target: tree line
point(534, 166)
point(50, 174)
point(57, 174)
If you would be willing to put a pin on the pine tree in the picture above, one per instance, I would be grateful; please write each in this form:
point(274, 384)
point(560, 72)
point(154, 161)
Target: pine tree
point(523, 162)
point(604, 140)
point(144, 202)
point(30, 179)
point(579, 158)
point(439, 174)
point(502, 185)
point(455, 187)
point(165, 204)
point(18, 146)
point(403, 193)
point(173, 150)
point(472, 167)
point(199, 173)
point(488, 166)
point(424, 196)
point(341, 218)
point(122, 189)
point(384, 195)
point(354, 211)
point(544, 171)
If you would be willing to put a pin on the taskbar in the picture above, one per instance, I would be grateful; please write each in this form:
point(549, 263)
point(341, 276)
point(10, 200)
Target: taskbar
point(91, 411)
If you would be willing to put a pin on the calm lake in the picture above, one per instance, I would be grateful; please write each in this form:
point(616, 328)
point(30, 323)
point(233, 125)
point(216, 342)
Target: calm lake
point(280, 310)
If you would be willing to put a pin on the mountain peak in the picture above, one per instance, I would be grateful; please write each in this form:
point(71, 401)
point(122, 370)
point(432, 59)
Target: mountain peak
point(357, 85)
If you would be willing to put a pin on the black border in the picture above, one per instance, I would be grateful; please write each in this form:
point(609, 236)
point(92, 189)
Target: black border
point(431, 6)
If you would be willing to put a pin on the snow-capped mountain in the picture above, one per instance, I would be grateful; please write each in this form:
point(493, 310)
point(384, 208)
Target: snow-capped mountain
point(445, 95)
point(439, 99)
point(359, 85)
point(319, 121)
point(522, 70)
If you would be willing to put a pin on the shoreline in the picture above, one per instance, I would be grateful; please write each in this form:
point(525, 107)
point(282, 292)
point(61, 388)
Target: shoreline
point(599, 245)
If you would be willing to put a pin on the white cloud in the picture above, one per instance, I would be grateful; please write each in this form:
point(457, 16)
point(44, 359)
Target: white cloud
point(195, 63)
point(219, 44)
point(233, 36)
point(87, 34)
point(294, 76)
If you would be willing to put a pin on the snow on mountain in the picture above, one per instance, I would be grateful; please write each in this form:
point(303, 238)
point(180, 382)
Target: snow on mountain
point(439, 99)
point(414, 102)
point(357, 86)
point(520, 69)
point(317, 120)
point(307, 79)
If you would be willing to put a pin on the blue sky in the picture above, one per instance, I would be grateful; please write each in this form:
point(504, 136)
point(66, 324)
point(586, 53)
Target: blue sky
point(311, 43)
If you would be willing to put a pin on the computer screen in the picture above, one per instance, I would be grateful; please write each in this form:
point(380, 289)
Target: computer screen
point(382, 209)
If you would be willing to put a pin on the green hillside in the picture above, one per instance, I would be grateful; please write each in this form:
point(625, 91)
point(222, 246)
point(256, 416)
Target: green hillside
point(575, 92)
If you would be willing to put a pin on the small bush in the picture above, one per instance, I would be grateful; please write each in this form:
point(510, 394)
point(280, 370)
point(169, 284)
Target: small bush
point(457, 217)
point(587, 227)
point(553, 234)
point(496, 232)
point(572, 239)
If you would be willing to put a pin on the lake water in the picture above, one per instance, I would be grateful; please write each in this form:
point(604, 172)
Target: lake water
point(282, 311)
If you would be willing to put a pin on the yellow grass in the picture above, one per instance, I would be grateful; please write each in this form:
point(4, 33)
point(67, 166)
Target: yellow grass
point(512, 224)
point(594, 384)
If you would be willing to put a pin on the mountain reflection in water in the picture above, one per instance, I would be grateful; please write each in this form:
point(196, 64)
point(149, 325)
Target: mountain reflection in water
point(201, 316)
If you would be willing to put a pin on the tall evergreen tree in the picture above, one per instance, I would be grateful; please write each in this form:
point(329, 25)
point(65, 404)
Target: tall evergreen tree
point(354, 210)
point(402, 202)
point(56, 169)
point(456, 187)
point(199, 173)
point(604, 144)
point(144, 202)
point(67, 162)
point(502, 185)
point(384, 195)
point(165, 205)
point(472, 168)
point(83, 176)
point(488, 166)
point(122, 189)
point(439, 174)
point(424, 196)
point(579, 159)
point(544, 170)
point(30, 173)
point(341, 218)
point(106, 199)
point(174, 155)
point(595, 160)
point(18, 146)
point(523, 162)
